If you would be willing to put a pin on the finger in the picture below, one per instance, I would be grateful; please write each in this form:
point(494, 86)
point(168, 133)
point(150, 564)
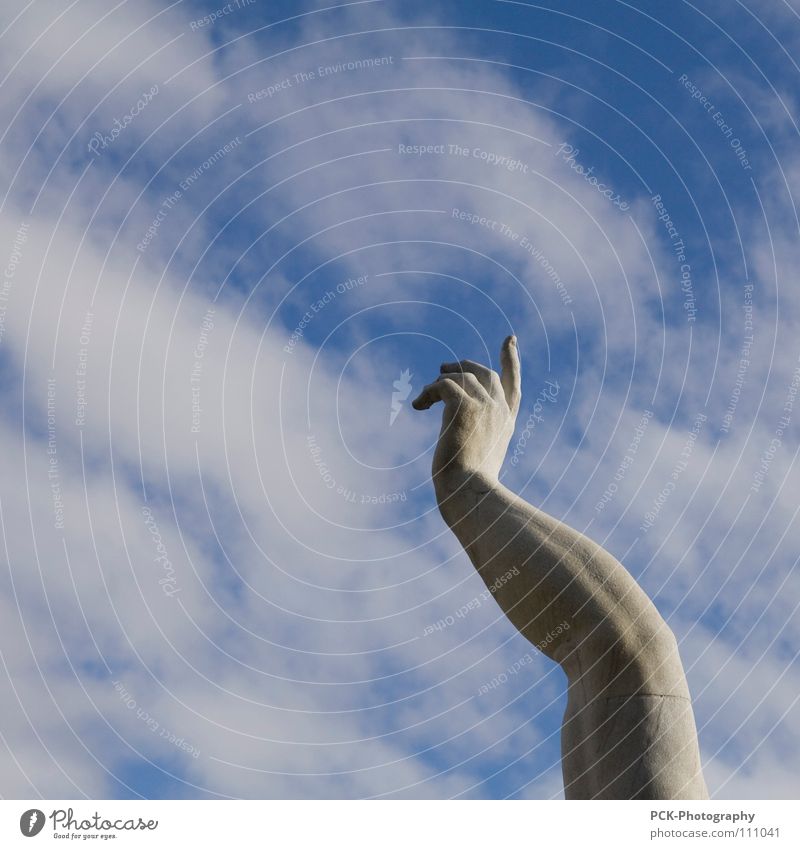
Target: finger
point(510, 373)
point(467, 381)
point(440, 390)
point(486, 376)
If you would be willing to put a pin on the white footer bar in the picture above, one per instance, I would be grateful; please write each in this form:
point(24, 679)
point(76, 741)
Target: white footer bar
point(400, 824)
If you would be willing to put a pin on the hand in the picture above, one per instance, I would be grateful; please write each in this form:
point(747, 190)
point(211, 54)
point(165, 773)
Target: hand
point(480, 409)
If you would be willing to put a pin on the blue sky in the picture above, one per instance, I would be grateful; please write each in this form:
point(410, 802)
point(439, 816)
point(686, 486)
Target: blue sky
point(336, 195)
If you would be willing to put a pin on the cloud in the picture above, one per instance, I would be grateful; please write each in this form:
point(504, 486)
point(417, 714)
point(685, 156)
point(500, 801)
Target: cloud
point(241, 599)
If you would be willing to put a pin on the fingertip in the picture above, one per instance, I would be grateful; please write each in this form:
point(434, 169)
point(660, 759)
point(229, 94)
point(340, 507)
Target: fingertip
point(509, 353)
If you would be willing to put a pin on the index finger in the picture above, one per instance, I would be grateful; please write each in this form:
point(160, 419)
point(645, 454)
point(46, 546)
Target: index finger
point(510, 376)
point(440, 390)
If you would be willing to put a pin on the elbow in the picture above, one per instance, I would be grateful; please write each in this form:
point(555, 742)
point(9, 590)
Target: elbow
point(627, 656)
point(649, 649)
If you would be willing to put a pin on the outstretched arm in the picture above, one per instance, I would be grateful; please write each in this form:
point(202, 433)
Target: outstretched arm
point(541, 571)
point(546, 575)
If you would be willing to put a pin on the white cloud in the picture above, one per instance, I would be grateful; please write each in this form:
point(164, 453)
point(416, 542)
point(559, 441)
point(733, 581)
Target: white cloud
point(293, 656)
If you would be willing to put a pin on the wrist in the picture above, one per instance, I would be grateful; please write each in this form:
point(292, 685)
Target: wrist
point(459, 490)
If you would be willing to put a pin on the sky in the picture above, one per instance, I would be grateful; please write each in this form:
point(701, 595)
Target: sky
point(236, 242)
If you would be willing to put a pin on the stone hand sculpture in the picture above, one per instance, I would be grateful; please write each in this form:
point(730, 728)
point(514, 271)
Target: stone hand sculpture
point(628, 731)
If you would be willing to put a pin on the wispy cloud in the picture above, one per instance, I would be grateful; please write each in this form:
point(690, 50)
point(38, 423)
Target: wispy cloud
point(240, 600)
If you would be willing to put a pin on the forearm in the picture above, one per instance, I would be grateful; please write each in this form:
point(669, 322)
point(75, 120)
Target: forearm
point(545, 575)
